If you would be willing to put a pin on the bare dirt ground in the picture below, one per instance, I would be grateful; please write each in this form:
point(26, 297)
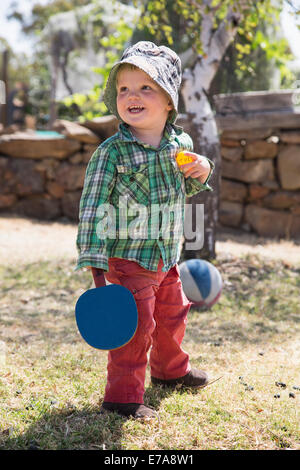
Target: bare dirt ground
point(236, 243)
point(24, 240)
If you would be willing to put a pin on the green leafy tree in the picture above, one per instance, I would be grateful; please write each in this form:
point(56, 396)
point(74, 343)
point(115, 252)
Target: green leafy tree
point(177, 24)
point(35, 70)
point(90, 104)
point(111, 39)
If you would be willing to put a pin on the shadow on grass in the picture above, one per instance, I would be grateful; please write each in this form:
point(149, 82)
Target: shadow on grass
point(85, 429)
point(215, 329)
point(62, 429)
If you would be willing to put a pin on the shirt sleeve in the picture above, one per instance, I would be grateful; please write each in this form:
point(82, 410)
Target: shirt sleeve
point(193, 186)
point(98, 184)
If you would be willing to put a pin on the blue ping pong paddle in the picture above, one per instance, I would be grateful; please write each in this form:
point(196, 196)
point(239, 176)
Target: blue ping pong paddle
point(107, 316)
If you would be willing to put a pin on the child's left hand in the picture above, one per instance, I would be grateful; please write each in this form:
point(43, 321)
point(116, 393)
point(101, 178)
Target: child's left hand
point(199, 168)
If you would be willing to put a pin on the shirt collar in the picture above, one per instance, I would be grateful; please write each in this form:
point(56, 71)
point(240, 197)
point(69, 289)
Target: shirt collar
point(127, 136)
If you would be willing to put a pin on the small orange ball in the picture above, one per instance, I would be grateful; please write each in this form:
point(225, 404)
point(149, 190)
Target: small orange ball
point(182, 158)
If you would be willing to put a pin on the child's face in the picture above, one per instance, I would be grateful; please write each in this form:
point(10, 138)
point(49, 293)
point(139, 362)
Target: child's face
point(141, 103)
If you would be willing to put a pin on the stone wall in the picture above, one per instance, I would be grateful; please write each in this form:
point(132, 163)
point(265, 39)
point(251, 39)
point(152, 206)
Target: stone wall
point(41, 176)
point(260, 147)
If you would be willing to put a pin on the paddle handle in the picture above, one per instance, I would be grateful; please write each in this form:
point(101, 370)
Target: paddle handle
point(98, 275)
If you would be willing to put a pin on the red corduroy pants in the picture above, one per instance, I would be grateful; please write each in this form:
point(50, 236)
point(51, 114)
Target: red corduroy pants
point(162, 315)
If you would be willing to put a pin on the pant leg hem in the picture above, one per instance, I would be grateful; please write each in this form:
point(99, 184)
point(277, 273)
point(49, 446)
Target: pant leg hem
point(131, 399)
point(172, 376)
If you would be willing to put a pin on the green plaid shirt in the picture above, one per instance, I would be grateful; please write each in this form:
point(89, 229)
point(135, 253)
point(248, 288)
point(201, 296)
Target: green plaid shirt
point(132, 203)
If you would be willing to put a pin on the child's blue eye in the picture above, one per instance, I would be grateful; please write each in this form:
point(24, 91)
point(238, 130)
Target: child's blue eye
point(146, 87)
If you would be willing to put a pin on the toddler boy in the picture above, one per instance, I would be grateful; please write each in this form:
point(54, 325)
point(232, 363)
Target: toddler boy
point(136, 171)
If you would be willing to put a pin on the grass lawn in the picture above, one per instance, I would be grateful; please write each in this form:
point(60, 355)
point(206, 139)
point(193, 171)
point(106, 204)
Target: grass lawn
point(52, 383)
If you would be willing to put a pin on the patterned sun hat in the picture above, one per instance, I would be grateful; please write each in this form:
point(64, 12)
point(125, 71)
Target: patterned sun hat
point(159, 62)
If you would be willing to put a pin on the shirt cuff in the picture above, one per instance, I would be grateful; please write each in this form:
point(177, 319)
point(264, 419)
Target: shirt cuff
point(96, 260)
point(212, 166)
point(194, 186)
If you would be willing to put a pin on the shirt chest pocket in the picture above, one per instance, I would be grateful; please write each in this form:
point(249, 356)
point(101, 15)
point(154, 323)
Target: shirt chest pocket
point(133, 184)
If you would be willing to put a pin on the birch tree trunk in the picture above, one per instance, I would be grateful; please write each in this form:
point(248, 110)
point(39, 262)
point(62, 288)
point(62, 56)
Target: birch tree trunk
point(201, 122)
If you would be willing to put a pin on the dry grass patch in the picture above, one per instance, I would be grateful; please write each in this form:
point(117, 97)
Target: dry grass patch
point(52, 384)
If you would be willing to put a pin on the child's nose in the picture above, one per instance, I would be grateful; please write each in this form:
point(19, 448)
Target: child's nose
point(133, 94)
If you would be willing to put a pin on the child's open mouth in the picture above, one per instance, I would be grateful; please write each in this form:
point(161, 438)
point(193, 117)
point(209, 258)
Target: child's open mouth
point(135, 109)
